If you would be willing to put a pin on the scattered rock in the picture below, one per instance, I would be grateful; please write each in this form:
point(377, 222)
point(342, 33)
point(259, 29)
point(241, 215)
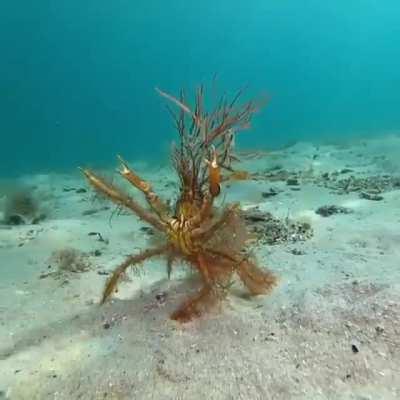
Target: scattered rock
point(90, 212)
point(327, 211)
point(99, 237)
point(81, 190)
point(45, 275)
point(292, 182)
point(255, 215)
point(379, 330)
point(95, 210)
point(297, 252)
point(371, 185)
point(273, 175)
point(27, 236)
point(272, 192)
point(371, 196)
point(147, 229)
point(354, 348)
point(161, 297)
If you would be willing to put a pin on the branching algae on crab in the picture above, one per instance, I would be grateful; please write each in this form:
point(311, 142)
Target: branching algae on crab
point(211, 240)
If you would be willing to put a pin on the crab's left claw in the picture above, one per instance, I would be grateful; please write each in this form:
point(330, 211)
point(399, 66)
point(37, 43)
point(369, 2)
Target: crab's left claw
point(132, 178)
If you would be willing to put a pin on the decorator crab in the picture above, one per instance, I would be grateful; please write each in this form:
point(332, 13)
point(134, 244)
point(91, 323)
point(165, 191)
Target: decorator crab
point(210, 239)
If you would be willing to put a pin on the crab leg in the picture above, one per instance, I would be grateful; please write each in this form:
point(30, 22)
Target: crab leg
point(195, 306)
point(130, 261)
point(257, 280)
point(117, 196)
point(204, 299)
point(202, 265)
point(154, 201)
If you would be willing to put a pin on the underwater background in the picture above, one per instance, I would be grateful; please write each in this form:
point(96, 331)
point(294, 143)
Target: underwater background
point(77, 78)
point(276, 279)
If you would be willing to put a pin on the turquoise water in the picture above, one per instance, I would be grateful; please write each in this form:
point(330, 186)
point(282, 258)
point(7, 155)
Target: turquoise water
point(77, 78)
point(319, 217)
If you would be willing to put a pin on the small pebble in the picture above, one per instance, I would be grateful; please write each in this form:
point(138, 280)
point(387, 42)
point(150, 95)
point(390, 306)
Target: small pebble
point(270, 193)
point(369, 196)
point(379, 330)
point(297, 252)
point(292, 182)
point(327, 211)
point(161, 297)
point(354, 348)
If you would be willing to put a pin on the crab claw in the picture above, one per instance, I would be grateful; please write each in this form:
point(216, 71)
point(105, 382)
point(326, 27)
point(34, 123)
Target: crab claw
point(131, 177)
point(214, 174)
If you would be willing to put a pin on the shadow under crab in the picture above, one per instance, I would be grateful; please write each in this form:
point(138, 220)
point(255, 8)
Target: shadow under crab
point(211, 240)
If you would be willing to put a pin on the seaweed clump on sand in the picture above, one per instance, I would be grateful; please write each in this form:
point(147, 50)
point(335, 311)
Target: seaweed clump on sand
point(267, 229)
point(368, 187)
point(21, 208)
point(212, 240)
point(67, 261)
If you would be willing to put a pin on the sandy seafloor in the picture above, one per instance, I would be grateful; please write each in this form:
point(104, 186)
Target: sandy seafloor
point(330, 330)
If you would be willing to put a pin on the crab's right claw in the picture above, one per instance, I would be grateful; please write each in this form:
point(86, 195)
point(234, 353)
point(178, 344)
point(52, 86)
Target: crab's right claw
point(214, 174)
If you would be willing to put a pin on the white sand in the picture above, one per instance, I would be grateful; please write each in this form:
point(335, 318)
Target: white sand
point(340, 295)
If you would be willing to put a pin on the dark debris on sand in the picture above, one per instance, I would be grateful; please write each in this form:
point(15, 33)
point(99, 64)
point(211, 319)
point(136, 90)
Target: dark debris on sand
point(271, 230)
point(327, 211)
point(340, 182)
